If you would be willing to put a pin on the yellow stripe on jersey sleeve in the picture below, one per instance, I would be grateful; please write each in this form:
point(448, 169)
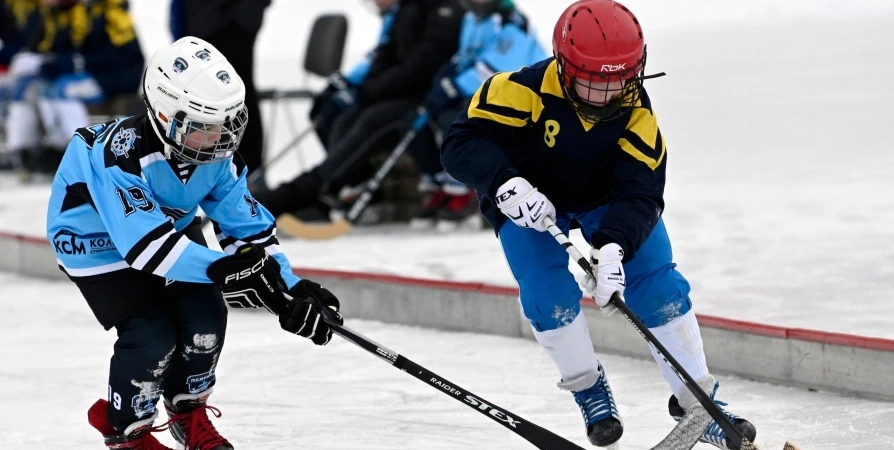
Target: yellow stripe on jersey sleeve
point(642, 138)
point(504, 101)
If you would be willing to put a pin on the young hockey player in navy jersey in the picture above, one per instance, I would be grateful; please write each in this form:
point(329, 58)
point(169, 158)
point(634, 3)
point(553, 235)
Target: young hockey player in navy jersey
point(120, 216)
point(575, 138)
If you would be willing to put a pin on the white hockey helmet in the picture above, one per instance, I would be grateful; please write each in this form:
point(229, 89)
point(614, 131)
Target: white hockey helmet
point(196, 101)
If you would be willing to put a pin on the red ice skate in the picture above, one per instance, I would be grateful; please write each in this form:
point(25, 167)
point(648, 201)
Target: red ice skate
point(190, 424)
point(137, 436)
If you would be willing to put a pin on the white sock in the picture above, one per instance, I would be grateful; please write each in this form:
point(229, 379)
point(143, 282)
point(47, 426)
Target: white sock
point(682, 339)
point(61, 118)
point(21, 126)
point(570, 348)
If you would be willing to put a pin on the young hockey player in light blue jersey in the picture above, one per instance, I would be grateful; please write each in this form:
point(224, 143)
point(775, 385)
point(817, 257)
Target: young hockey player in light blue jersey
point(120, 218)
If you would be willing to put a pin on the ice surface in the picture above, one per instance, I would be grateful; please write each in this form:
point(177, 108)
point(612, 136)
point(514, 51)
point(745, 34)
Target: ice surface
point(277, 391)
point(780, 202)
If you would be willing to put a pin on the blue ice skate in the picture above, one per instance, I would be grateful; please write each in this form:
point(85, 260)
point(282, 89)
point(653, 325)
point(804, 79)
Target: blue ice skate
point(714, 435)
point(594, 396)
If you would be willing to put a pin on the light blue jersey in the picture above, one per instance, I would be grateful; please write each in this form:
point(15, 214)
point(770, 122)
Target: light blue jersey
point(501, 42)
point(118, 203)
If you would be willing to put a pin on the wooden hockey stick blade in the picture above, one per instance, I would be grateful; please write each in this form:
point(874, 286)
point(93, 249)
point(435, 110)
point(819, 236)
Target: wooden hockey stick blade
point(685, 435)
point(292, 226)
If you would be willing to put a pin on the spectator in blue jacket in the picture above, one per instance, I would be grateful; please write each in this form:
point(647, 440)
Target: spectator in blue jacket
point(495, 37)
point(65, 54)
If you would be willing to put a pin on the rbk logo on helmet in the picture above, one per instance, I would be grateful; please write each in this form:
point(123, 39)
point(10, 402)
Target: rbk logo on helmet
point(613, 67)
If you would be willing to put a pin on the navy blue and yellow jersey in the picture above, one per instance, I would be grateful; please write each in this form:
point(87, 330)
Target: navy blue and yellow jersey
point(118, 203)
point(520, 124)
point(97, 37)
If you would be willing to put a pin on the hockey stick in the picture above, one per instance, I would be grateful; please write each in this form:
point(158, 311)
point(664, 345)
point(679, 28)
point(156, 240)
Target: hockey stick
point(733, 435)
point(683, 437)
point(292, 226)
point(540, 437)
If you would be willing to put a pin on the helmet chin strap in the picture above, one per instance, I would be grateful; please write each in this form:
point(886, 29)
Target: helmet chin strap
point(168, 150)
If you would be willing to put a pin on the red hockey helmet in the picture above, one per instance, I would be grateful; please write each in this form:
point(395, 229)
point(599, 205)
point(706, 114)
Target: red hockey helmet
point(601, 56)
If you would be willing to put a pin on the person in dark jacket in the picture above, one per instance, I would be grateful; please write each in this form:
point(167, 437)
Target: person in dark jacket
point(63, 55)
point(341, 91)
point(423, 36)
point(7, 24)
point(232, 27)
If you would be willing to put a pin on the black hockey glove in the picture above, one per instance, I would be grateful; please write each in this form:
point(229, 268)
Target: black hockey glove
point(249, 279)
point(304, 317)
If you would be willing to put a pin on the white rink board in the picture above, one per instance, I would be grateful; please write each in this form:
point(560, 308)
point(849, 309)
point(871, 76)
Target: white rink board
point(278, 391)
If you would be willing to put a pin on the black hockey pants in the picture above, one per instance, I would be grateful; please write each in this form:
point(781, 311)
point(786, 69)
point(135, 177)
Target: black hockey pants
point(169, 339)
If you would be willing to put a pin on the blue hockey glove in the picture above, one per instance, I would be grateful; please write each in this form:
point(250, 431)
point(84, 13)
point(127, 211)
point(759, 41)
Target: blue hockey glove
point(442, 96)
point(443, 93)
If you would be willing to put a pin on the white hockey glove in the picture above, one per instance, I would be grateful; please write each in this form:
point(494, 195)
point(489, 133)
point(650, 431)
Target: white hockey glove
point(610, 273)
point(524, 204)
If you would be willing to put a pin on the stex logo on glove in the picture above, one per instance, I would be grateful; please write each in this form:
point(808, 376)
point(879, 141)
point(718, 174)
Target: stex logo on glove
point(502, 197)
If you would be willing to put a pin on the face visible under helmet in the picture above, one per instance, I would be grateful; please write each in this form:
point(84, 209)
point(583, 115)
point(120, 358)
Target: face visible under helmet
point(601, 58)
point(196, 102)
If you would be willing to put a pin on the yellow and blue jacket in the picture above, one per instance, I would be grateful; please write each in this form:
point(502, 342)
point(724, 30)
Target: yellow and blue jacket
point(520, 124)
point(98, 35)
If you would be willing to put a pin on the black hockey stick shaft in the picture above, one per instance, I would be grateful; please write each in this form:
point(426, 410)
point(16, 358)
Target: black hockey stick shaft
point(373, 185)
point(540, 437)
point(734, 436)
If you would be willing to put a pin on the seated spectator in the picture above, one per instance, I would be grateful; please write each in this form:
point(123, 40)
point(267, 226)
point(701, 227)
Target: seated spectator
point(64, 55)
point(495, 37)
point(419, 37)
